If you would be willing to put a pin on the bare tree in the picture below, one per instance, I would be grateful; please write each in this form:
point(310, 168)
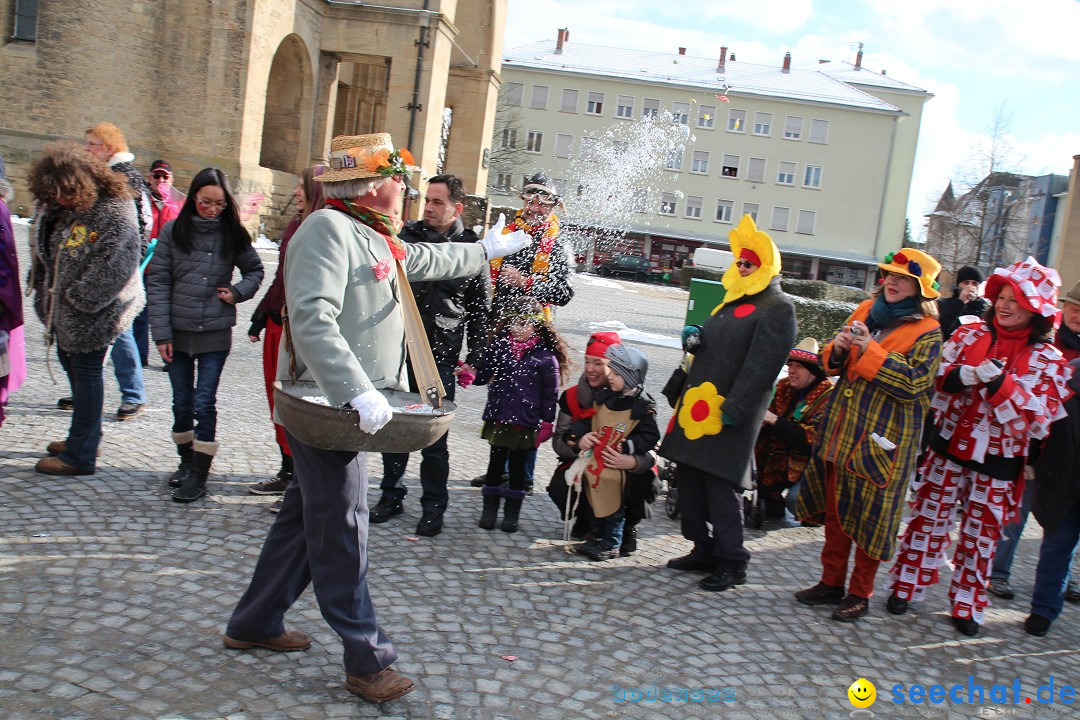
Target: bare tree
point(983, 219)
point(507, 147)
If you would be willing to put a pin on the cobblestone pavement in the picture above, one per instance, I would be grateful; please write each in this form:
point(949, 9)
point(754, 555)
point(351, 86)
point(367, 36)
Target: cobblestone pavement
point(113, 598)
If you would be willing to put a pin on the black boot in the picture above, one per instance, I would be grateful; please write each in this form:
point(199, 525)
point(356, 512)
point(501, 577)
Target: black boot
point(194, 483)
point(629, 541)
point(512, 509)
point(492, 498)
point(183, 449)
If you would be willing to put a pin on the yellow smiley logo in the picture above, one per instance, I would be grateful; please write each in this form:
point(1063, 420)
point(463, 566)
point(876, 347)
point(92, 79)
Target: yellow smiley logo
point(862, 693)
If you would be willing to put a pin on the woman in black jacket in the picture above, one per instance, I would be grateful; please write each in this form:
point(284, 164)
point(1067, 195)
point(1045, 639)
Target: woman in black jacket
point(192, 312)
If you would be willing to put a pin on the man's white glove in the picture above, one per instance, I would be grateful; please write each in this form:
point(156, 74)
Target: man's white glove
point(374, 410)
point(968, 376)
point(988, 370)
point(496, 245)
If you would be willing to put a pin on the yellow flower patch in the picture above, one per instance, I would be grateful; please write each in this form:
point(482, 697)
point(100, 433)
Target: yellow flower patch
point(699, 414)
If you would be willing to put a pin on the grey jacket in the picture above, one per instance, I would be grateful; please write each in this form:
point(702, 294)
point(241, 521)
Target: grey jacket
point(85, 273)
point(181, 288)
point(348, 331)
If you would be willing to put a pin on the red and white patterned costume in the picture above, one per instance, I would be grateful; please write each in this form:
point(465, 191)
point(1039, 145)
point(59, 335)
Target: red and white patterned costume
point(983, 436)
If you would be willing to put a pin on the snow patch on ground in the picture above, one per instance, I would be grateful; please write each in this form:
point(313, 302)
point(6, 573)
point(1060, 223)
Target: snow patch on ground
point(264, 243)
point(16, 220)
point(600, 282)
point(639, 336)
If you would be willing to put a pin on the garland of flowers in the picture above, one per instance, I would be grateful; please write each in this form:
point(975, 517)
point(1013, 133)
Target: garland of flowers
point(385, 225)
point(546, 231)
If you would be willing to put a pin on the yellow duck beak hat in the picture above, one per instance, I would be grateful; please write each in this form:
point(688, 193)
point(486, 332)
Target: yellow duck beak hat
point(747, 242)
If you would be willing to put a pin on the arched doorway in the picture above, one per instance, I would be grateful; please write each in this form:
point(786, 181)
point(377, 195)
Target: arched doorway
point(287, 116)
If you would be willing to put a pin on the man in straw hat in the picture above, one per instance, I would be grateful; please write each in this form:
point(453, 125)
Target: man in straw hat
point(347, 335)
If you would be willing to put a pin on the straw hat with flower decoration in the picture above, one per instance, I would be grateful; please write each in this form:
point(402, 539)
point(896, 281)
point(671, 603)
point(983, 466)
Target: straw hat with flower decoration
point(916, 264)
point(357, 157)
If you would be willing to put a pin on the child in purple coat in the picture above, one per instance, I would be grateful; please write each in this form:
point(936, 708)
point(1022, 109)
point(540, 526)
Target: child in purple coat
point(522, 368)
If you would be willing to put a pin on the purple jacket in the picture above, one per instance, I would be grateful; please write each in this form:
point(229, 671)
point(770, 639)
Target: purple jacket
point(524, 393)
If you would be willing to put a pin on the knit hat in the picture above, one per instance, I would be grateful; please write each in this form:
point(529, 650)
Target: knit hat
point(917, 264)
point(630, 364)
point(600, 342)
point(1073, 296)
point(968, 273)
point(539, 185)
point(1035, 286)
point(806, 354)
point(356, 157)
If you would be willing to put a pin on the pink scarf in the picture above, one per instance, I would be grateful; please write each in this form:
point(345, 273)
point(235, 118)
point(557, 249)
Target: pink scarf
point(518, 347)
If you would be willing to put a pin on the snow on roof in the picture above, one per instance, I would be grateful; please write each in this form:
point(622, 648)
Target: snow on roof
point(741, 78)
point(848, 73)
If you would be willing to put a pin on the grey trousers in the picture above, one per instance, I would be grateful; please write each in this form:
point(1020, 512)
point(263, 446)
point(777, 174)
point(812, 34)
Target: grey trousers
point(319, 537)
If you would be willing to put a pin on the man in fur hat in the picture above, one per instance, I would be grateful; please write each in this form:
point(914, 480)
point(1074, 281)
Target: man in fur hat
point(348, 336)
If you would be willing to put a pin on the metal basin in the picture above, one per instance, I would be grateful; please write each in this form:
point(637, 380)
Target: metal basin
point(329, 428)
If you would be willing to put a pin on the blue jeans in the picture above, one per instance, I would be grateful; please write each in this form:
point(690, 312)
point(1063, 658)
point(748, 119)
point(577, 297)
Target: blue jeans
point(140, 328)
point(530, 468)
point(1055, 559)
point(1010, 538)
point(85, 374)
point(195, 398)
point(128, 369)
point(611, 527)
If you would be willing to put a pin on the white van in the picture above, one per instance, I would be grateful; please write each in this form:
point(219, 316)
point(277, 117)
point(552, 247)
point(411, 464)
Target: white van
point(712, 259)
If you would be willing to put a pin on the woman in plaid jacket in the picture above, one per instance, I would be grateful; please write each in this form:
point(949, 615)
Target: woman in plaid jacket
point(886, 357)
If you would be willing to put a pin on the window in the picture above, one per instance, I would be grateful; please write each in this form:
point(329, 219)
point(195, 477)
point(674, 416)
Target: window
point(26, 15)
point(562, 145)
point(514, 93)
point(706, 116)
point(569, 101)
point(620, 147)
point(812, 177)
point(736, 120)
point(536, 139)
point(650, 108)
point(502, 182)
point(674, 161)
point(639, 199)
point(806, 222)
point(756, 170)
point(786, 174)
point(596, 104)
point(723, 210)
point(730, 168)
point(700, 163)
point(762, 123)
point(819, 131)
point(624, 106)
point(793, 127)
point(693, 207)
point(750, 209)
point(539, 97)
point(779, 218)
point(508, 140)
point(667, 204)
point(680, 113)
point(590, 148)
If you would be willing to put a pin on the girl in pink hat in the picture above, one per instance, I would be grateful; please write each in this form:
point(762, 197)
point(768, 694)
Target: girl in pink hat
point(1000, 385)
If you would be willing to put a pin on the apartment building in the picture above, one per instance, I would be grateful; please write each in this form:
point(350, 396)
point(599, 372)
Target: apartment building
point(821, 157)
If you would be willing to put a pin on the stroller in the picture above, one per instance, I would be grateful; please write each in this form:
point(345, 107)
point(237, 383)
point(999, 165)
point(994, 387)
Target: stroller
point(753, 499)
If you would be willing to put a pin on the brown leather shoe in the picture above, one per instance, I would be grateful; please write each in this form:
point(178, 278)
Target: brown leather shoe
point(291, 641)
point(851, 608)
point(820, 594)
point(383, 686)
point(56, 466)
point(60, 446)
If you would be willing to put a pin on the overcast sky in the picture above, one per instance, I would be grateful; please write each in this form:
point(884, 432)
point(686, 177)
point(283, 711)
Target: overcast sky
point(973, 55)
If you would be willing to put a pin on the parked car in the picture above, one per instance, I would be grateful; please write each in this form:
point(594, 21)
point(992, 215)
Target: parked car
point(638, 267)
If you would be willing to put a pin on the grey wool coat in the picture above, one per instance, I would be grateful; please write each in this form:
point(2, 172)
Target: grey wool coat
point(343, 301)
point(743, 347)
point(181, 288)
point(85, 273)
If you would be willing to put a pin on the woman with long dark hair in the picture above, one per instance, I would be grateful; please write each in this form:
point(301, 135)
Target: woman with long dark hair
point(192, 312)
point(309, 198)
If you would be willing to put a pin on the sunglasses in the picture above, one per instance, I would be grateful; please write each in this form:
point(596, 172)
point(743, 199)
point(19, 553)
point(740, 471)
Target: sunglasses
point(540, 196)
point(744, 264)
point(160, 175)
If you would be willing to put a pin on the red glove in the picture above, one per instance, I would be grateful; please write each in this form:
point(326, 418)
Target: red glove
point(545, 433)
